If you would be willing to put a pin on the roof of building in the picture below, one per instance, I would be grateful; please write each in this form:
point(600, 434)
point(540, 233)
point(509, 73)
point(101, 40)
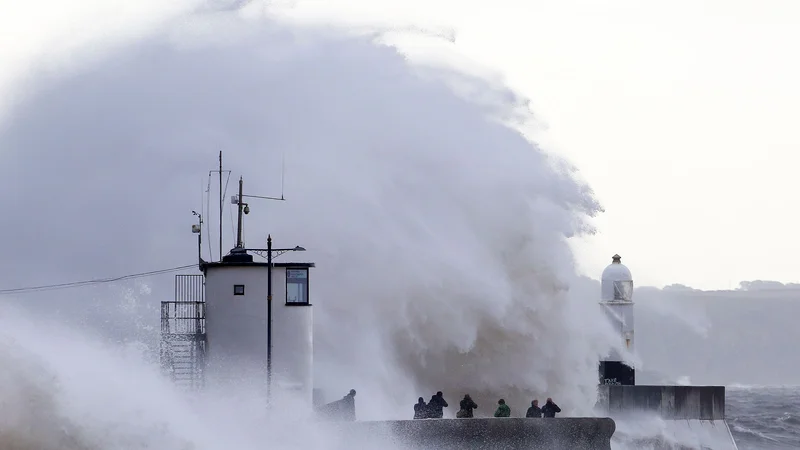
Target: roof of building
point(215, 264)
point(616, 271)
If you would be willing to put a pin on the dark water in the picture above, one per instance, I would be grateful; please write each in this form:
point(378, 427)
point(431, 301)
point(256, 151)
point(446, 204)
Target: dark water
point(764, 418)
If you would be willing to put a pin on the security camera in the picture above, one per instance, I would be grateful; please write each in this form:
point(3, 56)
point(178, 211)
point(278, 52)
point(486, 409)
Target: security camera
point(247, 209)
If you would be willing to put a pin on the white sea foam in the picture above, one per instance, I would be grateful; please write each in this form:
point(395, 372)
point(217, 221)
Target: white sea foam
point(439, 233)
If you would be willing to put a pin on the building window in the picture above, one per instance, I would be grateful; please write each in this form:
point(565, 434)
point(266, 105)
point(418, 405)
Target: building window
point(297, 286)
point(238, 289)
point(623, 290)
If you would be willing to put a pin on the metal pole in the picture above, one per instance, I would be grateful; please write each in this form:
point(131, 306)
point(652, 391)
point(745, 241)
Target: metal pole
point(221, 201)
point(200, 243)
point(269, 318)
point(239, 225)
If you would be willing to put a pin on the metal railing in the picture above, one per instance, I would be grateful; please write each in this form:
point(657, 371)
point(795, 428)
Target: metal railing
point(190, 288)
point(183, 318)
point(183, 328)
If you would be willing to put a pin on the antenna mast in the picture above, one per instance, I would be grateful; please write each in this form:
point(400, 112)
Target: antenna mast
point(244, 208)
point(240, 203)
point(283, 171)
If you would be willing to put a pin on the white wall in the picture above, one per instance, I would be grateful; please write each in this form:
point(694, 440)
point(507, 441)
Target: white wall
point(236, 331)
point(292, 351)
point(292, 340)
point(620, 314)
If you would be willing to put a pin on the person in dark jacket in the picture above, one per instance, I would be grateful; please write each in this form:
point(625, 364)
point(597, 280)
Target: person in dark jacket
point(534, 410)
point(436, 405)
point(502, 409)
point(421, 409)
point(467, 405)
point(550, 409)
point(349, 403)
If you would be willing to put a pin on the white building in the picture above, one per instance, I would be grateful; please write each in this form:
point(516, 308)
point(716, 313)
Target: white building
point(237, 334)
point(242, 322)
point(216, 334)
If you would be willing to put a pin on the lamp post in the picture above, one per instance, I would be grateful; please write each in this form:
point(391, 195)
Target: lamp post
point(269, 251)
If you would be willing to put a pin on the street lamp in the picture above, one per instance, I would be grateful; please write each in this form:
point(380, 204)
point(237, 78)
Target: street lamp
point(269, 252)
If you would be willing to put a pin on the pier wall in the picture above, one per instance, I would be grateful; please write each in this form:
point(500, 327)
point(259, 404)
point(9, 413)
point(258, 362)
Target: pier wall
point(674, 435)
point(501, 434)
point(670, 402)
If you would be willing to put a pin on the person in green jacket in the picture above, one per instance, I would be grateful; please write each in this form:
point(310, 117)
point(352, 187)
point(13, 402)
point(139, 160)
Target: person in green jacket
point(502, 409)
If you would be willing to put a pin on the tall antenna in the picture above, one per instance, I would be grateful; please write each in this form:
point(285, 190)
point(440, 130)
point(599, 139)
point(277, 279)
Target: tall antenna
point(222, 189)
point(283, 171)
point(221, 200)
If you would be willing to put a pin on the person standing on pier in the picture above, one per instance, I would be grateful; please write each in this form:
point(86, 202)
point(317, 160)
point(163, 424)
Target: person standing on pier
point(421, 409)
point(467, 405)
point(502, 409)
point(534, 411)
point(436, 405)
point(550, 409)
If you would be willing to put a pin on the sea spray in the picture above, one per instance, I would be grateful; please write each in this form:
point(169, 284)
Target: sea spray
point(439, 233)
point(62, 390)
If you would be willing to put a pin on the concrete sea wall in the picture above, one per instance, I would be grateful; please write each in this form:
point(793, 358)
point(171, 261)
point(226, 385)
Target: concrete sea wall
point(507, 433)
point(669, 402)
point(680, 417)
point(674, 435)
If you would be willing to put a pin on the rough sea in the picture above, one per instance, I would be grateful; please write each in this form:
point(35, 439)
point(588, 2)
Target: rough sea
point(764, 418)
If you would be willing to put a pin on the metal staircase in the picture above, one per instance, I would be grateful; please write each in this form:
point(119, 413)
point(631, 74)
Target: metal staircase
point(183, 332)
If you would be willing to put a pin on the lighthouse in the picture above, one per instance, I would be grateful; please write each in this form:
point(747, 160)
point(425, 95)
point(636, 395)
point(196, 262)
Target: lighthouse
point(243, 321)
point(688, 411)
point(616, 300)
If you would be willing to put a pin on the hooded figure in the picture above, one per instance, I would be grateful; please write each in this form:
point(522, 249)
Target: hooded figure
point(502, 409)
point(421, 409)
point(436, 405)
point(534, 410)
point(550, 409)
point(349, 403)
point(467, 405)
